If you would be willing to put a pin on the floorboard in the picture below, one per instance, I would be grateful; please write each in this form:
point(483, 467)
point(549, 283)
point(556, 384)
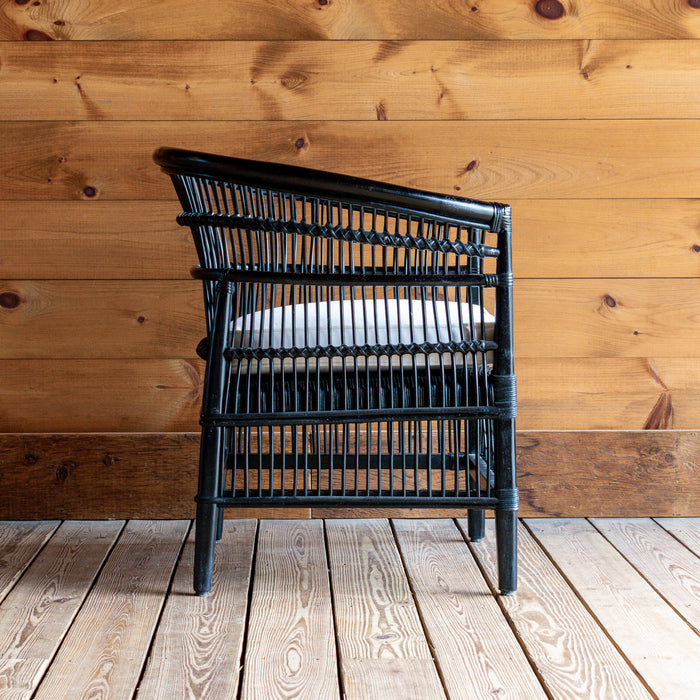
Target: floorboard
point(571, 652)
point(104, 651)
point(474, 647)
point(686, 530)
point(198, 646)
point(35, 616)
point(290, 651)
point(349, 608)
point(20, 542)
point(380, 636)
point(667, 565)
point(662, 648)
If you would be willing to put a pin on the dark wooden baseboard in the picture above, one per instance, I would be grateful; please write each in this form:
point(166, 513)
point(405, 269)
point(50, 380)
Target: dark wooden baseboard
point(154, 475)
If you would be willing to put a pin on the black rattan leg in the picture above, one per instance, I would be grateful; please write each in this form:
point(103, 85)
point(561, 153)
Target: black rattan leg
point(205, 542)
point(207, 512)
point(507, 546)
point(476, 524)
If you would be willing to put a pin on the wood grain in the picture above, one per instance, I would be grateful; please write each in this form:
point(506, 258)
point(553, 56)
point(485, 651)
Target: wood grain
point(122, 395)
point(103, 653)
point(36, 615)
point(360, 19)
point(480, 656)
point(665, 563)
point(196, 652)
point(686, 530)
point(377, 624)
point(572, 655)
point(608, 473)
point(661, 647)
point(581, 238)
point(103, 319)
point(553, 239)
point(290, 650)
point(20, 542)
point(607, 318)
point(607, 394)
point(93, 240)
point(529, 159)
point(102, 475)
point(118, 395)
point(303, 80)
point(160, 319)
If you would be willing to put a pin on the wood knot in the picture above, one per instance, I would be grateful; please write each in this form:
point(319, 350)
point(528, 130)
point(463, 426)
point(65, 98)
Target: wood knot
point(381, 113)
point(694, 4)
point(549, 9)
point(64, 469)
point(610, 301)
point(89, 191)
point(293, 80)
point(30, 458)
point(36, 35)
point(300, 143)
point(10, 300)
point(695, 248)
point(469, 167)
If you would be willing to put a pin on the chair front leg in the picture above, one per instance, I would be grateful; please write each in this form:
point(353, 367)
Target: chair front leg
point(207, 515)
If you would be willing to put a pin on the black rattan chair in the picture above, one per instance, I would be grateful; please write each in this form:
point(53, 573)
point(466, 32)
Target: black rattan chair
point(351, 356)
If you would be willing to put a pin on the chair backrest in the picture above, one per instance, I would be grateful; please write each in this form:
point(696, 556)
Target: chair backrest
point(263, 217)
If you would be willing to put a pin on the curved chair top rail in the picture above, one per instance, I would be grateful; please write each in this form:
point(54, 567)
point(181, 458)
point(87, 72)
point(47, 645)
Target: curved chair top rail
point(317, 183)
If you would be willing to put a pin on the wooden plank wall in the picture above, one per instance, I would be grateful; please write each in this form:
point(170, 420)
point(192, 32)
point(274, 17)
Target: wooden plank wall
point(585, 115)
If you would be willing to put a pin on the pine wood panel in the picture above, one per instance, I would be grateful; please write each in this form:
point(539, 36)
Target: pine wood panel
point(572, 238)
point(377, 625)
point(592, 318)
point(104, 651)
point(576, 661)
point(36, 615)
point(553, 239)
point(102, 319)
point(661, 647)
point(479, 657)
point(482, 159)
point(357, 80)
point(147, 475)
point(100, 395)
point(665, 563)
point(607, 394)
point(197, 648)
point(122, 395)
point(93, 240)
point(359, 19)
point(686, 530)
point(290, 651)
point(20, 542)
point(607, 318)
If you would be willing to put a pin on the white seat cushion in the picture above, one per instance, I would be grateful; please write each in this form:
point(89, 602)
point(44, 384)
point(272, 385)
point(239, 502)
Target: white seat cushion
point(362, 322)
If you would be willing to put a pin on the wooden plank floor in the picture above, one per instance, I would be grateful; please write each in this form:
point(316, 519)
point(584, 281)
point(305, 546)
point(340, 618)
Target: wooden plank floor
point(606, 608)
